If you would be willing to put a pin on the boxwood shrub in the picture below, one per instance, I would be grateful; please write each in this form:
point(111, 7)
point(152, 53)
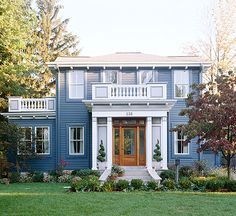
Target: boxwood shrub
point(137, 184)
point(85, 173)
point(152, 185)
point(122, 185)
point(167, 174)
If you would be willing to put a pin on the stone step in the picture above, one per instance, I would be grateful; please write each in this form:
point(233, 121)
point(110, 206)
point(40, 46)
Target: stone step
point(136, 173)
point(129, 178)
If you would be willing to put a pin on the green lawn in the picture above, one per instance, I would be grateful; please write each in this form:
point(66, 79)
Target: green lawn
point(52, 199)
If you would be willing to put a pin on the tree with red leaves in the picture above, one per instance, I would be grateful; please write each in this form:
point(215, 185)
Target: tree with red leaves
point(211, 110)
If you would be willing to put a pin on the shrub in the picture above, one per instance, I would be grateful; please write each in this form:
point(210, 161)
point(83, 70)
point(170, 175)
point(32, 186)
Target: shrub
point(152, 185)
point(137, 184)
point(64, 179)
point(215, 184)
point(14, 177)
point(185, 183)
point(185, 171)
point(108, 186)
point(230, 185)
point(218, 172)
point(200, 167)
point(169, 184)
point(83, 173)
point(122, 185)
point(200, 181)
point(47, 178)
point(167, 174)
point(37, 177)
point(26, 178)
point(90, 183)
point(5, 181)
point(113, 176)
point(116, 169)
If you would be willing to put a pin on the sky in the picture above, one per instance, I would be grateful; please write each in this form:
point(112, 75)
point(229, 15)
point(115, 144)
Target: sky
point(161, 27)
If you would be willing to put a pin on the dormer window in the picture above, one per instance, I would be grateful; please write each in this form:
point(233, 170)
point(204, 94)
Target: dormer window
point(146, 76)
point(110, 76)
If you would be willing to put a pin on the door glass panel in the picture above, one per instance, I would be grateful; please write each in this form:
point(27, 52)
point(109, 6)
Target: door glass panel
point(129, 141)
point(117, 141)
point(141, 141)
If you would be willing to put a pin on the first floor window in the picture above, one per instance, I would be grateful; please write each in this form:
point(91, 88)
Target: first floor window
point(25, 144)
point(76, 141)
point(42, 140)
point(181, 147)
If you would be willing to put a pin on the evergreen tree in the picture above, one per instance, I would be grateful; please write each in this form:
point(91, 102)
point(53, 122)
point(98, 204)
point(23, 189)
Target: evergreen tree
point(101, 156)
point(157, 152)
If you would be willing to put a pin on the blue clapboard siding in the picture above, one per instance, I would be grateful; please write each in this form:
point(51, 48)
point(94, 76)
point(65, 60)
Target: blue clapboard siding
point(42, 162)
point(92, 76)
point(71, 113)
point(128, 77)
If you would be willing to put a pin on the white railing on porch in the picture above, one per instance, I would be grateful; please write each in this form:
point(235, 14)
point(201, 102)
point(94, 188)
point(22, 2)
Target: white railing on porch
point(19, 104)
point(112, 91)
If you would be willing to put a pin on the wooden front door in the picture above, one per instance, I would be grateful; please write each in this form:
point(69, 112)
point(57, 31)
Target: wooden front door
point(129, 143)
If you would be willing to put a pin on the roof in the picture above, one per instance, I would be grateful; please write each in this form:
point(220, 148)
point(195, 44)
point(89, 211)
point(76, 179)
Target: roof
point(128, 59)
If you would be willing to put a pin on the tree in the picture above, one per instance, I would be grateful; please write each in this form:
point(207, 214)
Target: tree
point(13, 150)
point(53, 39)
point(212, 117)
point(157, 152)
point(17, 22)
point(218, 44)
point(101, 156)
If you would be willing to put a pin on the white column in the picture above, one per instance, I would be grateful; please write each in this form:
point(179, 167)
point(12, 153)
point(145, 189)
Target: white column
point(164, 142)
point(149, 143)
point(94, 143)
point(109, 142)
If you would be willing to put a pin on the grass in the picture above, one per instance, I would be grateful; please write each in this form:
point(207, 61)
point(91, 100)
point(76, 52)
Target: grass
point(52, 199)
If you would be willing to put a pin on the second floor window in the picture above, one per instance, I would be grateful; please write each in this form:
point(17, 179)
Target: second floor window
point(146, 76)
point(76, 84)
point(110, 76)
point(181, 83)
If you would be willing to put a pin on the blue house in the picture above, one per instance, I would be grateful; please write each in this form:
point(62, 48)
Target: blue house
point(128, 101)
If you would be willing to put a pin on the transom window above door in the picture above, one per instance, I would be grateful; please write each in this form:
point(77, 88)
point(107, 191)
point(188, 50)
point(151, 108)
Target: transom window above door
point(110, 76)
point(146, 76)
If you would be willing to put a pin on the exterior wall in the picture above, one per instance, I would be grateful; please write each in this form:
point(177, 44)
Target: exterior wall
point(42, 162)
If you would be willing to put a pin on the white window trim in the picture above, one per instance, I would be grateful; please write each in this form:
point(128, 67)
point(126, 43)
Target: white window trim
point(104, 76)
point(18, 153)
point(176, 143)
point(187, 84)
point(77, 84)
point(49, 143)
point(139, 76)
point(70, 140)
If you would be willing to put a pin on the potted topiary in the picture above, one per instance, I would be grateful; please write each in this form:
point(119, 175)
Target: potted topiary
point(101, 157)
point(157, 156)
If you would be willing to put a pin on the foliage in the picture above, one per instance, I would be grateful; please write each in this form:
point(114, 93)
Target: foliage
point(5, 181)
point(169, 184)
point(185, 183)
point(14, 177)
point(113, 176)
point(218, 172)
point(185, 171)
point(200, 181)
point(215, 184)
point(117, 170)
point(152, 185)
point(122, 185)
point(37, 176)
point(167, 174)
point(60, 168)
point(230, 185)
point(212, 117)
point(85, 173)
point(137, 184)
point(65, 178)
point(101, 153)
point(11, 144)
point(157, 152)
point(108, 186)
point(90, 183)
point(200, 167)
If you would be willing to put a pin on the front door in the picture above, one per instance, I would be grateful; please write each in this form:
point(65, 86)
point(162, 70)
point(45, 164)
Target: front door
point(129, 142)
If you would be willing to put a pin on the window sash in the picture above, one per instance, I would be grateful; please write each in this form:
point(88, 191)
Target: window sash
point(110, 76)
point(146, 76)
point(180, 147)
point(25, 141)
point(42, 142)
point(76, 140)
point(181, 83)
point(76, 84)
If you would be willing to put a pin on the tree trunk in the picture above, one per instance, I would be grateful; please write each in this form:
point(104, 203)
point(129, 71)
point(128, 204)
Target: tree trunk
point(228, 166)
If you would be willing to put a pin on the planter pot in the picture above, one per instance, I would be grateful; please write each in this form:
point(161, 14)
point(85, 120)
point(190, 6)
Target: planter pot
point(102, 165)
point(156, 165)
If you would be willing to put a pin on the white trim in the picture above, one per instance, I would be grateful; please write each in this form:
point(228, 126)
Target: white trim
point(109, 142)
point(176, 143)
point(94, 143)
point(49, 143)
point(69, 142)
point(164, 135)
point(149, 143)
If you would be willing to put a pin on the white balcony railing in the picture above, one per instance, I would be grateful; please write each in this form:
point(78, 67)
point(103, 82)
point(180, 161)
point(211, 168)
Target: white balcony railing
point(19, 104)
point(112, 91)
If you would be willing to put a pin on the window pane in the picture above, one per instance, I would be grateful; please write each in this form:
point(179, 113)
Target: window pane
point(111, 76)
point(76, 84)
point(42, 140)
point(141, 141)
point(146, 77)
point(76, 140)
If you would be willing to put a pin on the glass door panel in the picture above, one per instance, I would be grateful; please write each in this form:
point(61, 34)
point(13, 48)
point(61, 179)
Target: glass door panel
point(129, 141)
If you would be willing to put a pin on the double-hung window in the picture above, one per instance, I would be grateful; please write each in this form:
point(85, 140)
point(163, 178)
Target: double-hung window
point(76, 84)
point(181, 83)
point(76, 140)
point(25, 145)
point(181, 147)
point(110, 76)
point(146, 76)
point(42, 142)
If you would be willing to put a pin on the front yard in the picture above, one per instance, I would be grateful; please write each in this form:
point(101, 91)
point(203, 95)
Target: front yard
point(52, 199)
